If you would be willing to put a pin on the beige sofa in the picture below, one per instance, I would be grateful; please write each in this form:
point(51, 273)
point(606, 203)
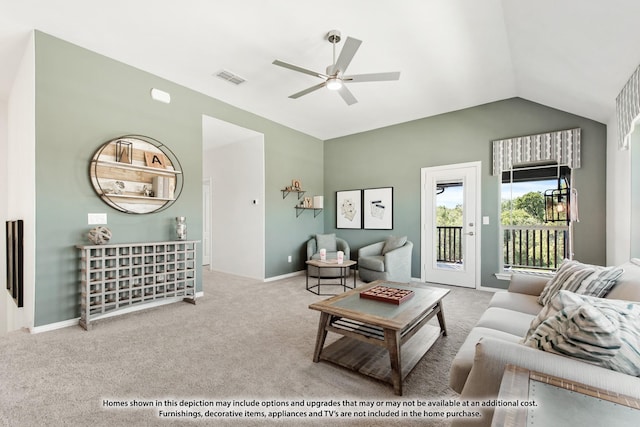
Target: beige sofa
point(495, 341)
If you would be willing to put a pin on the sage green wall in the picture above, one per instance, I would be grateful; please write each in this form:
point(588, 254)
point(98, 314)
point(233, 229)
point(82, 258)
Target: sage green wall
point(393, 157)
point(84, 99)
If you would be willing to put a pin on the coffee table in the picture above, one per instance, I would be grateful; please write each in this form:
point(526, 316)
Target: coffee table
point(332, 263)
point(377, 335)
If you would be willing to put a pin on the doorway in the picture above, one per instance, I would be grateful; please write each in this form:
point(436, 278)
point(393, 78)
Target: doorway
point(450, 231)
point(206, 222)
point(234, 161)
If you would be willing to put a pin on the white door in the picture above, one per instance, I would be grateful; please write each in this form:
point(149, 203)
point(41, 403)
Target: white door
point(450, 231)
point(206, 222)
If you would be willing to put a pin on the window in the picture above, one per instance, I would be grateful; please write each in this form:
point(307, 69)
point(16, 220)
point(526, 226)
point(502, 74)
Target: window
point(535, 226)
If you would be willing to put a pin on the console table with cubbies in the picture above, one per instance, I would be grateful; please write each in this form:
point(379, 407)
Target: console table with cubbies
point(118, 278)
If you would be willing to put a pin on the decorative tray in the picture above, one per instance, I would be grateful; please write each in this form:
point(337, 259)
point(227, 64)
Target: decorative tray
point(387, 294)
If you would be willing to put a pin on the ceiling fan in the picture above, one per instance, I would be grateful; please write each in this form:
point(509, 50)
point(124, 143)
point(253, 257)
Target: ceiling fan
point(334, 78)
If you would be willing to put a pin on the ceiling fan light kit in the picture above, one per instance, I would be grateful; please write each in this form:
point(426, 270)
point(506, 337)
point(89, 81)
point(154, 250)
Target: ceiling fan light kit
point(335, 79)
point(334, 83)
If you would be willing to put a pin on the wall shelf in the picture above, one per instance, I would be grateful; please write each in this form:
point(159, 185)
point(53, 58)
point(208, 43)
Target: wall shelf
point(286, 192)
point(147, 199)
point(134, 167)
point(122, 173)
point(300, 209)
point(117, 278)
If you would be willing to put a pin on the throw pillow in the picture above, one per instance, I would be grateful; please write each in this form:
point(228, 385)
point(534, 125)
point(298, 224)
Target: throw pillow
point(599, 331)
point(393, 243)
point(584, 279)
point(327, 241)
point(560, 301)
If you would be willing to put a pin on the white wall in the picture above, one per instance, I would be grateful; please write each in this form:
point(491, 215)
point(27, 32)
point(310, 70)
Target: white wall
point(4, 299)
point(20, 182)
point(635, 192)
point(238, 226)
point(618, 199)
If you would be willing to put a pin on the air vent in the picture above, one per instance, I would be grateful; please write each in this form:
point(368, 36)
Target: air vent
point(230, 77)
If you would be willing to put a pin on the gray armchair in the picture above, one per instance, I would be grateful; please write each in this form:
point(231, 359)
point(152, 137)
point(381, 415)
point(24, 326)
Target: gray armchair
point(389, 260)
point(332, 244)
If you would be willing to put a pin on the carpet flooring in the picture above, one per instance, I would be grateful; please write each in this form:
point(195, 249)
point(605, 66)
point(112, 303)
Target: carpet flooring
point(244, 343)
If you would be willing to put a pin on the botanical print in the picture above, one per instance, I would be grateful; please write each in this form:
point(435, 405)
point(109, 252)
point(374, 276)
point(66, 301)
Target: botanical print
point(349, 209)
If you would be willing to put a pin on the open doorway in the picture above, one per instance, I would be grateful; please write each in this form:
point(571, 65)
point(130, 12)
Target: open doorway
point(233, 166)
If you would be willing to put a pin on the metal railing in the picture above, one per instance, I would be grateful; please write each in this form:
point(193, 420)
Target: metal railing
point(535, 246)
point(449, 244)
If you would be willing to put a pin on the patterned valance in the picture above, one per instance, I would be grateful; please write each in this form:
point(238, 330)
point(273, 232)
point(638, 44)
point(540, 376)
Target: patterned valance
point(628, 109)
point(561, 146)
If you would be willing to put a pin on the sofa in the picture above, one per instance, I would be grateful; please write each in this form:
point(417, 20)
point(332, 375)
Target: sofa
point(500, 337)
point(388, 260)
point(332, 245)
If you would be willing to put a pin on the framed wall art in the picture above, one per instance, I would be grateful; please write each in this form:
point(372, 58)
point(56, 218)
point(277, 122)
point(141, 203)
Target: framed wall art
point(15, 261)
point(349, 209)
point(377, 208)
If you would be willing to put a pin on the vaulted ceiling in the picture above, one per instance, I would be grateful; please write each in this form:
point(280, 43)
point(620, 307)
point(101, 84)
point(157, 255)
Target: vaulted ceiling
point(573, 55)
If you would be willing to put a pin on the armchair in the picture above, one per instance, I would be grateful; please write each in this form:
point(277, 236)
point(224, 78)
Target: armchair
point(388, 260)
point(332, 244)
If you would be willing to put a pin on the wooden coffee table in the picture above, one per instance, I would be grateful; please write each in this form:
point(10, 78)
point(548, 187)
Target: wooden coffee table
point(342, 277)
point(377, 335)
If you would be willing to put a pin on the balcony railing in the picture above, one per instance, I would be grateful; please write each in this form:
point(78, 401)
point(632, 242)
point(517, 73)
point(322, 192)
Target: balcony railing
point(449, 244)
point(535, 246)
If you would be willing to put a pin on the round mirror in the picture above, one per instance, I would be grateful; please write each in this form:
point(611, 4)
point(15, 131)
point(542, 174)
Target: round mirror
point(136, 174)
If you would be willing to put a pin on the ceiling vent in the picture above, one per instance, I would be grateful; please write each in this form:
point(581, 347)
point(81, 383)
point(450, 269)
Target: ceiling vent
point(230, 77)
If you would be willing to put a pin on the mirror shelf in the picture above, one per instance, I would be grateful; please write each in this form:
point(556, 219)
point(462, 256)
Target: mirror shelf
point(136, 174)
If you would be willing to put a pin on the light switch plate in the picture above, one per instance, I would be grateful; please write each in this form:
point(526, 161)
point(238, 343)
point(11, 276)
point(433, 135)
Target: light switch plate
point(96, 218)
point(485, 220)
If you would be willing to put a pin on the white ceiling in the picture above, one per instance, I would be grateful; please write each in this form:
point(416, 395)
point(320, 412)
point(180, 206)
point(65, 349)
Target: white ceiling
point(574, 55)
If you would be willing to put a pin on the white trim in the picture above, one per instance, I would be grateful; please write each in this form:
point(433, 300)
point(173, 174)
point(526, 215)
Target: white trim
point(285, 276)
point(74, 322)
point(490, 289)
point(208, 182)
point(54, 326)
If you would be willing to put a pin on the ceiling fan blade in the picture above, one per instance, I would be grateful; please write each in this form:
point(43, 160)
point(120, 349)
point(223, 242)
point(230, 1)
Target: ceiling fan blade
point(373, 77)
point(308, 90)
point(347, 95)
point(346, 55)
point(299, 69)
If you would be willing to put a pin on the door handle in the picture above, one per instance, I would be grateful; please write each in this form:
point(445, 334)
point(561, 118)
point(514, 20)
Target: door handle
point(469, 233)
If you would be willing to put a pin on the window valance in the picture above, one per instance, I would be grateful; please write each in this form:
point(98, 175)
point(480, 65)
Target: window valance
point(628, 109)
point(561, 146)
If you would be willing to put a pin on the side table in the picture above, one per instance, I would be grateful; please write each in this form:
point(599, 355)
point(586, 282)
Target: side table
point(331, 263)
point(546, 400)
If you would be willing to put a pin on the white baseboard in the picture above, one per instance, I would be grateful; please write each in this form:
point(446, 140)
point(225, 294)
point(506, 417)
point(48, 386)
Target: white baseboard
point(233, 273)
point(490, 289)
point(54, 326)
point(286, 276)
point(74, 322)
